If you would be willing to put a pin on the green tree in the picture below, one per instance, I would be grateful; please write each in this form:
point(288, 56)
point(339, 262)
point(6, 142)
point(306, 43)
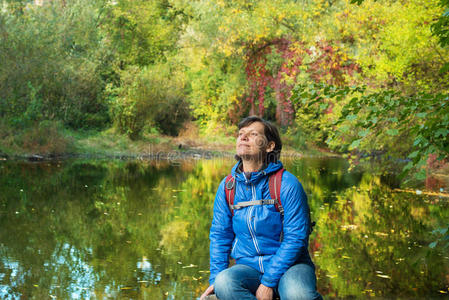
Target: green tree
point(143, 32)
point(150, 96)
point(52, 61)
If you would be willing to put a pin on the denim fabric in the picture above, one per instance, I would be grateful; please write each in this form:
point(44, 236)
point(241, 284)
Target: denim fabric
point(241, 282)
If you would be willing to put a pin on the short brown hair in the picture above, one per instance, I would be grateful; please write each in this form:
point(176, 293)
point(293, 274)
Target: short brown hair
point(271, 133)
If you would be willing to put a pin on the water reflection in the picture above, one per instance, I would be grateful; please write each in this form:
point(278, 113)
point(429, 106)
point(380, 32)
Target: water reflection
point(139, 230)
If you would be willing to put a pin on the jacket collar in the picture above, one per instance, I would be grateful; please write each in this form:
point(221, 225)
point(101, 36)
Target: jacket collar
point(255, 176)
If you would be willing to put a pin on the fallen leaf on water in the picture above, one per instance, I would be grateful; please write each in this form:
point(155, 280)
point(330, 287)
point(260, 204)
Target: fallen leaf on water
point(379, 272)
point(442, 292)
point(35, 285)
point(331, 276)
point(380, 233)
point(347, 257)
point(189, 266)
point(383, 276)
point(126, 288)
point(142, 281)
point(348, 227)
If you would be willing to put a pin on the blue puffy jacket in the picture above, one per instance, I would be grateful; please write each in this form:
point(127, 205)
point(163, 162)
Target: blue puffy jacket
point(252, 236)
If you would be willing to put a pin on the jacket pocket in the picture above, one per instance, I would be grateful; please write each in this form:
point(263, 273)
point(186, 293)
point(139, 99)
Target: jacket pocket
point(268, 223)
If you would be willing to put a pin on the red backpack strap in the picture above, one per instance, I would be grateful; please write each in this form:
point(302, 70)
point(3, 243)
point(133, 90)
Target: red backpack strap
point(274, 185)
point(230, 192)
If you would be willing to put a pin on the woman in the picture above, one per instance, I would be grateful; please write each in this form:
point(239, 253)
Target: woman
point(267, 237)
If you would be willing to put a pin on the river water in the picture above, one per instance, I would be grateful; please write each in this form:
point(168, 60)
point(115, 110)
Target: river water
point(108, 229)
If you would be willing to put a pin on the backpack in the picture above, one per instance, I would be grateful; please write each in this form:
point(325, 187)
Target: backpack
point(274, 184)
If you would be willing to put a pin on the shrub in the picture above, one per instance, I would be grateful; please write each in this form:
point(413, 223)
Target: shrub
point(151, 95)
point(52, 59)
point(45, 138)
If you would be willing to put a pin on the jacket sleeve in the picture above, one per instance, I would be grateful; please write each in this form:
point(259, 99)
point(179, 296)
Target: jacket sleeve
point(295, 230)
point(221, 234)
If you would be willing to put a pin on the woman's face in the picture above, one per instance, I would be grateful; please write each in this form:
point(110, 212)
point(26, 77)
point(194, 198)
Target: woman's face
point(252, 143)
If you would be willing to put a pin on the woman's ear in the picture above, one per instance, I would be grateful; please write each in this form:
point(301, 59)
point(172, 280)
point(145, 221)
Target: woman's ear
point(270, 146)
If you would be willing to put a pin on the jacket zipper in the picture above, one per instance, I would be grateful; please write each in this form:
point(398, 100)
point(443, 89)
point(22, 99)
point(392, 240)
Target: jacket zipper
point(250, 228)
point(235, 244)
point(256, 244)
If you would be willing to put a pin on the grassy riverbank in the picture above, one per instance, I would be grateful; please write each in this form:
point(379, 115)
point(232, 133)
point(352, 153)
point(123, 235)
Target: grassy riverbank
point(50, 139)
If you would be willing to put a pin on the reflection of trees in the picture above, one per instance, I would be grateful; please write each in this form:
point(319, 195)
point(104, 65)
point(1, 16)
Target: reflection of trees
point(108, 228)
point(372, 239)
point(140, 230)
point(187, 231)
point(101, 213)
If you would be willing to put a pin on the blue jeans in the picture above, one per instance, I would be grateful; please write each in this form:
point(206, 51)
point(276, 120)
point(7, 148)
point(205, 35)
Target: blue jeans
point(241, 282)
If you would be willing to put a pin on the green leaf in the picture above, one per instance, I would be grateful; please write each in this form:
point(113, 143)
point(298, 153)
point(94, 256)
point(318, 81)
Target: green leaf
point(414, 154)
point(441, 132)
point(344, 128)
point(354, 144)
point(323, 106)
point(363, 133)
point(433, 244)
point(417, 140)
point(444, 68)
point(392, 132)
point(422, 162)
point(393, 119)
point(440, 231)
point(351, 117)
point(421, 175)
point(421, 115)
point(358, 2)
point(408, 166)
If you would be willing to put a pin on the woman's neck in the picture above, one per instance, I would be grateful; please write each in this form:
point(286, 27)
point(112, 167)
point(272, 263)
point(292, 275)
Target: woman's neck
point(252, 165)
